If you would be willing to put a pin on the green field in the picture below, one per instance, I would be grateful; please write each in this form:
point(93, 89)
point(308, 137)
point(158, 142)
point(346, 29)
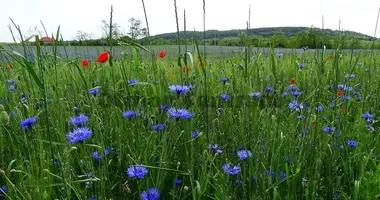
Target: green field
point(251, 125)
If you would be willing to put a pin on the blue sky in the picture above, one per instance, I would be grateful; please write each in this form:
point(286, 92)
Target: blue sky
point(86, 15)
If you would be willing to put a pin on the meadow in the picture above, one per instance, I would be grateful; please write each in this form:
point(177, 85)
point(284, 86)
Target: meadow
point(297, 125)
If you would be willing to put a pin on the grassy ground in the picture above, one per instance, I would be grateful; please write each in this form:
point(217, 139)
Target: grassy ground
point(312, 133)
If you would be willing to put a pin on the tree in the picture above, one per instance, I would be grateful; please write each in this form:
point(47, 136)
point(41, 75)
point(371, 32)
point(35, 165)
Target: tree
point(135, 28)
point(116, 33)
point(81, 35)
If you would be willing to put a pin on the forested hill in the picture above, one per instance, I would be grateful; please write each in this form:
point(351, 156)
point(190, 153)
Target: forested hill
point(262, 32)
point(285, 37)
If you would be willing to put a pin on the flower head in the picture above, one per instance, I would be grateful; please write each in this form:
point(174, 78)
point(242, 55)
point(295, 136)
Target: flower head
point(79, 135)
point(235, 170)
point(78, 120)
point(244, 154)
point(27, 123)
point(180, 113)
point(224, 80)
point(4, 189)
point(255, 94)
point(85, 63)
point(352, 143)
point(137, 171)
point(94, 91)
point(103, 57)
point(214, 148)
point(129, 114)
point(158, 127)
point(195, 134)
point(180, 89)
point(96, 156)
point(225, 97)
point(162, 54)
point(133, 82)
point(151, 194)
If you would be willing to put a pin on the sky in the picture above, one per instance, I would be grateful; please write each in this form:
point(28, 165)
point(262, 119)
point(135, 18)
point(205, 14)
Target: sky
point(86, 15)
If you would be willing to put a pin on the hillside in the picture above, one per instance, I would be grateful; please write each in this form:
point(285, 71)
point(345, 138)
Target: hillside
point(261, 32)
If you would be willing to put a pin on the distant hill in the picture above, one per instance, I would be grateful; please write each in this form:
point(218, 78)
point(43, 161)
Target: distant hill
point(262, 32)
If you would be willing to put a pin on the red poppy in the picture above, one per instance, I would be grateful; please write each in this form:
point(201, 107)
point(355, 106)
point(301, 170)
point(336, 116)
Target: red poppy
point(85, 63)
point(9, 66)
point(293, 81)
point(162, 54)
point(340, 93)
point(103, 57)
point(331, 57)
point(186, 69)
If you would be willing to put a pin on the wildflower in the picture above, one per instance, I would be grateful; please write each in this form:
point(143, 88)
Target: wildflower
point(94, 91)
point(179, 113)
point(186, 69)
point(177, 182)
point(3, 189)
point(162, 54)
point(133, 82)
point(180, 89)
point(292, 82)
point(244, 154)
point(368, 117)
point(296, 94)
point(346, 98)
point(9, 67)
point(295, 106)
point(92, 198)
point(349, 76)
point(158, 127)
point(151, 194)
point(255, 94)
point(235, 170)
point(340, 93)
point(268, 89)
point(195, 134)
point(292, 88)
point(78, 120)
point(11, 88)
point(27, 123)
point(85, 63)
point(288, 160)
point(284, 94)
point(319, 108)
point(301, 65)
point(225, 97)
point(79, 135)
point(253, 179)
point(282, 176)
point(11, 82)
point(224, 80)
point(328, 129)
point(215, 148)
point(103, 57)
point(138, 171)
point(331, 57)
point(352, 143)
point(108, 150)
point(164, 107)
point(370, 128)
point(129, 114)
point(96, 156)
point(336, 196)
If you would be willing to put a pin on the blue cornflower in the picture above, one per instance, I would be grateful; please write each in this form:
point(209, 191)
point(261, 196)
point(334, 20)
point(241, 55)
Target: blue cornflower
point(328, 129)
point(96, 156)
point(11, 88)
point(352, 143)
point(108, 150)
point(177, 182)
point(288, 160)
point(133, 82)
point(284, 94)
point(255, 94)
point(137, 171)
point(349, 76)
point(224, 80)
point(23, 100)
point(301, 65)
point(346, 98)
point(295, 106)
point(370, 128)
point(158, 127)
point(282, 176)
point(94, 91)
point(268, 89)
point(319, 108)
point(292, 88)
point(225, 97)
point(151, 194)
point(235, 170)
point(368, 117)
point(180, 89)
point(4, 189)
point(195, 134)
point(164, 107)
point(129, 114)
point(253, 179)
point(27, 123)
point(296, 94)
point(215, 148)
point(180, 113)
point(78, 120)
point(11, 82)
point(244, 154)
point(79, 135)
point(92, 198)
